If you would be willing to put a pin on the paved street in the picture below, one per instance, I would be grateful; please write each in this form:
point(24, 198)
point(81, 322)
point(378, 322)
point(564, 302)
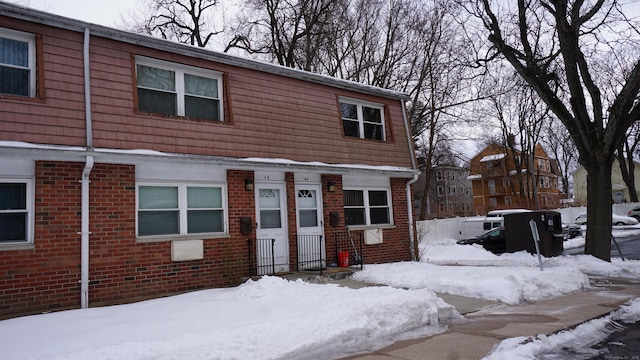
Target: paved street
point(629, 247)
point(621, 345)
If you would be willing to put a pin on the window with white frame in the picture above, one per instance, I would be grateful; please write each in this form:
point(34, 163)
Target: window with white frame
point(440, 191)
point(181, 209)
point(17, 63)
point(174, 89)
point(16, 211)
point(367, 207)
point(362, 119)
point(493, 202)
point(439, 175)
point(491, 184)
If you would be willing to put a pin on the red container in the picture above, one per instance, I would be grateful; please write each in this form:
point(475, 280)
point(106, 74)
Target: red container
point(343, 258)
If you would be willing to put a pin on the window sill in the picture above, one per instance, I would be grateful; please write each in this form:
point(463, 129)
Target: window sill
point(163, 238)
point(368, 227)
point(14, 247)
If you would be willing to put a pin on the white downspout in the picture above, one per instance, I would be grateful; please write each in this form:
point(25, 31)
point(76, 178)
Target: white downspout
point(87, 90)
point(84, 207)
point(408, 187)
point(84, 235)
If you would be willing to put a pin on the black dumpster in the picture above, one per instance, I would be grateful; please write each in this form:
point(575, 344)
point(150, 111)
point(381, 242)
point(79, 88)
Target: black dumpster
point(518, 234)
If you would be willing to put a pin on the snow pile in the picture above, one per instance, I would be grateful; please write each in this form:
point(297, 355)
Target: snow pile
point(511, 285)
point(266, 319)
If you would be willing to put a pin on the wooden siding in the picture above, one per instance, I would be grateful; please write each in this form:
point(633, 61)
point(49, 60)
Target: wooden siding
point(57, 118)
point(266, 115)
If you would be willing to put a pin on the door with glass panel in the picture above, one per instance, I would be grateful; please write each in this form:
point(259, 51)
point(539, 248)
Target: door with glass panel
point(311, 244)
point(271, 224)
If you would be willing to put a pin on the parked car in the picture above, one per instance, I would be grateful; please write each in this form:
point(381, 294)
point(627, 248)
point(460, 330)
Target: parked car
point(615, 219)
point(492, 240)
point(634, 213)
point(571, 230)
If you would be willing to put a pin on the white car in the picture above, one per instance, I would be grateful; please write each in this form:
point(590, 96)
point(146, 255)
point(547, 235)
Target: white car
point(615, 219)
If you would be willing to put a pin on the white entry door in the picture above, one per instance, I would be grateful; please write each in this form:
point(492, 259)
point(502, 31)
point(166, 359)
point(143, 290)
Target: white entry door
point(271, 224)
point(311, 251)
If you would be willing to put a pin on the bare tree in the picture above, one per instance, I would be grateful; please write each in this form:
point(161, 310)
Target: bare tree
point(552, 45)
point(522, 115)
point(558, 140)
point(186, 21)
point(290, 32)
point(626, 160)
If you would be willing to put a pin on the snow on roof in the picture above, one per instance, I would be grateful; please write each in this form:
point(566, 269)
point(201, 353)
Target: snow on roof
point(474, 177)
point(493, 157)
point(227, 161)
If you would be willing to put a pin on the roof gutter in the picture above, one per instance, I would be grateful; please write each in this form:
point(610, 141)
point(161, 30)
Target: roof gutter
point(133, 157)
point(414, 163)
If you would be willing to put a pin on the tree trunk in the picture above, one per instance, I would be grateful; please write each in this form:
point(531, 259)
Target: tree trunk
point(425, 194)
point(534, 181)
point(631, 185)
point(624, 155)
point(598, 239)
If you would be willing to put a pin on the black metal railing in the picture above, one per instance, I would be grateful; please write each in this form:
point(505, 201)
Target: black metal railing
point(262, 259)
point(309, 249)
point(349, 248)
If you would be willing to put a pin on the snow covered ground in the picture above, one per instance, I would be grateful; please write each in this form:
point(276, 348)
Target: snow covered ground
point(273, 318)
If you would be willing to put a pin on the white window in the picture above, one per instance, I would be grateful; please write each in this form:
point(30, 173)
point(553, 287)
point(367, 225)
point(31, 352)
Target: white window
point(439, 175)
point(17, 63)
point(491, 184)
point(181, 209)
point(367, 207)
point(16, 211)
point(362, 119)
point(180, 90)
point(493, 202)
point(507, 200)
point(440, 191)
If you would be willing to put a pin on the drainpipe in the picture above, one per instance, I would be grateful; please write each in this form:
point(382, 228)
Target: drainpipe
point(84, 207)
point(408, 186)
point(84, 235)
point(87, 90)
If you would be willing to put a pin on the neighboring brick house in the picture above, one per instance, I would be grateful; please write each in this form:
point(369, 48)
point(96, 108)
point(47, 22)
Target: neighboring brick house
point(449, 193)
point(133, 168)
point(495, 184)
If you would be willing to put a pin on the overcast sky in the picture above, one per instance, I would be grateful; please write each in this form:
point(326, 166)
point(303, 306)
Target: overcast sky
point(103, 12)
point(108, 12)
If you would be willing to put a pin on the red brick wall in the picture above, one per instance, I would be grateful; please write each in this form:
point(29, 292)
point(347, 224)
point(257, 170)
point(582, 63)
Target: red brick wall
point(396, 244)
point(332, 201)
point(396, 241)
point(292, 225)
point(121, 270)
point(46, 278)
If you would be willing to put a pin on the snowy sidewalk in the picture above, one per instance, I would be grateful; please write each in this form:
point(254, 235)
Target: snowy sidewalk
point(475, 336)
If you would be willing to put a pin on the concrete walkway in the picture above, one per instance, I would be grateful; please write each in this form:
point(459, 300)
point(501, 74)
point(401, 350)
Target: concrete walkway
point(486, 324)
